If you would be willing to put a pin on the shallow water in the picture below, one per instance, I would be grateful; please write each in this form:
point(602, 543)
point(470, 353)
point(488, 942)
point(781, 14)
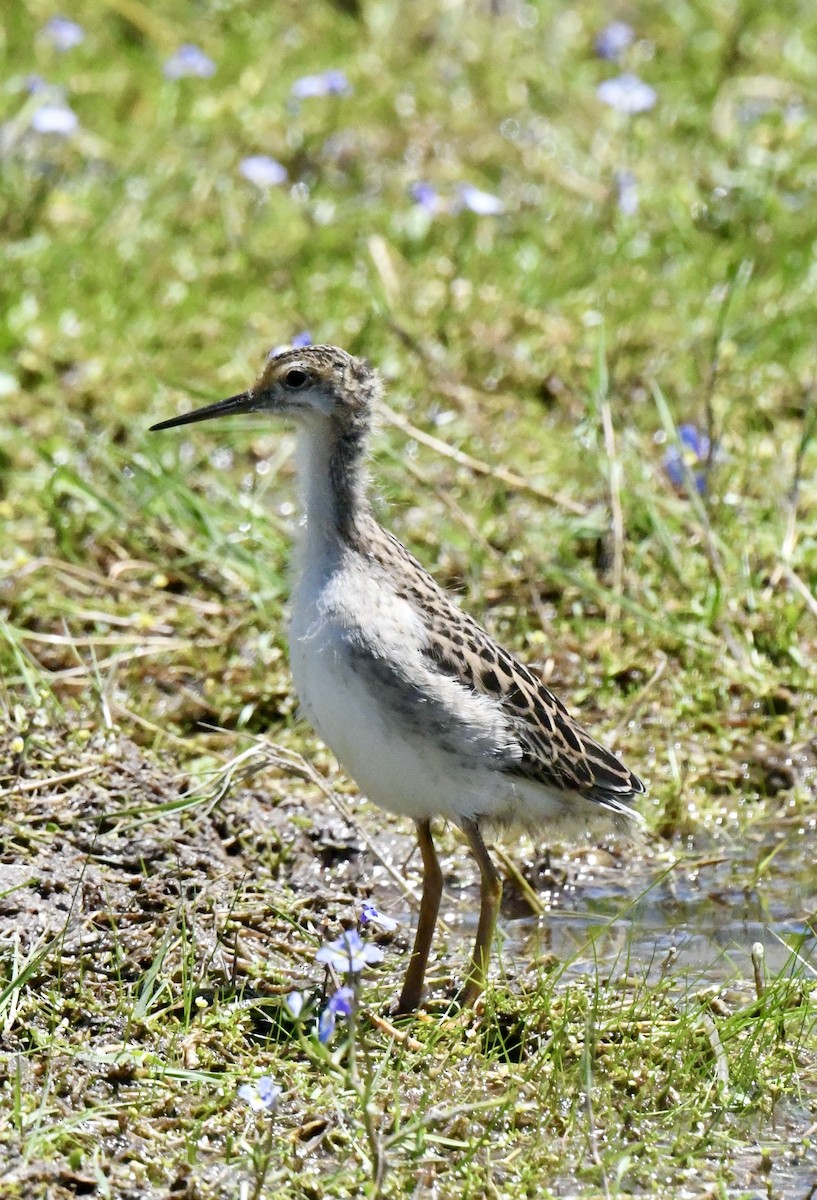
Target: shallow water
point(696, 921)
point(697, 916)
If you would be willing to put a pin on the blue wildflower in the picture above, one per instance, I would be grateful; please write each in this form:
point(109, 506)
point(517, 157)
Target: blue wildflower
point(63, 33)
point(369, 915)
point(425, 194)
point(327, 83)
point(262, 170)
point(295, 1003)
point(485, 204)
point(304, 338)
point(55, 117)
point(627, 192)
point(690, 451)
point(349, 954)
point(627, 94)
point(326, 1026)
point(189, 60)
point(613, 40)
point(342, 1001)
point(338, 1005)
point(262, 1095)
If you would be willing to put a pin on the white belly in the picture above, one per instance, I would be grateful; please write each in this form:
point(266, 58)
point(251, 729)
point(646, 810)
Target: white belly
point(391, 767)
point(401, 770)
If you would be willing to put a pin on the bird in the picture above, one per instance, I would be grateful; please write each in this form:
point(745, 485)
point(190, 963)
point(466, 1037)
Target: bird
point(427, 713)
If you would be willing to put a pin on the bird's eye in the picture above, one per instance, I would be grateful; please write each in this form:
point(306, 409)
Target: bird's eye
point(296, 379)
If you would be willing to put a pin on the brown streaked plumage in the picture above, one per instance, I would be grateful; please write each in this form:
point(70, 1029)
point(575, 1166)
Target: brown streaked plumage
point(425, 710)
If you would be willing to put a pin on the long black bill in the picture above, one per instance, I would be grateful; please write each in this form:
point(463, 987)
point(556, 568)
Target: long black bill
point(243, 403)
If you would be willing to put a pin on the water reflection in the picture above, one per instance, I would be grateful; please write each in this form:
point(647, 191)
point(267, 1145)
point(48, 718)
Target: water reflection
point(696, 916)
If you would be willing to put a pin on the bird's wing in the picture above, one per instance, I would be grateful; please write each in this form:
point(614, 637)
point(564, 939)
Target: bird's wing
point(555, 750)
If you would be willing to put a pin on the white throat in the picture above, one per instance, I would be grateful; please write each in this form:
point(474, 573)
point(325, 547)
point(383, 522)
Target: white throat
point(313, 454)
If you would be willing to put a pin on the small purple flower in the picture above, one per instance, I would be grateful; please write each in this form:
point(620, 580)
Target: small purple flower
point(55, 117)
point(262, 170)
point(261, 1096)
point(627, 192)
point(369, 915)
point(690, 451)
point(613, 40)
point(63, 33)
point(304, 338)
point(485, 204)
point(326, 1026)
point(349, 954)
point(339, 1005)
point(342, 1001)
point(295, 1004)
point(627, 94)
point(327, 83)
point(425, 194)
point(189, 60)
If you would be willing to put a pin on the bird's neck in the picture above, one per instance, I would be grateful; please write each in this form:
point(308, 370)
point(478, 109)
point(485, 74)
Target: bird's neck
point(332, 478)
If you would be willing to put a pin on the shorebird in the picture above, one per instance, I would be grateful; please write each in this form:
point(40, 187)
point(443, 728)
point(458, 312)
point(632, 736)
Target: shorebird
point(426, 712)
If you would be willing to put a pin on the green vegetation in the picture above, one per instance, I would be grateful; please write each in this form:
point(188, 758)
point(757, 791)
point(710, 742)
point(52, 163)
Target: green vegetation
point(174, 845)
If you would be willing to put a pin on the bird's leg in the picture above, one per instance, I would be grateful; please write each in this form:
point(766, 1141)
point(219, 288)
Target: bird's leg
point(429, 907)
point(490, 897)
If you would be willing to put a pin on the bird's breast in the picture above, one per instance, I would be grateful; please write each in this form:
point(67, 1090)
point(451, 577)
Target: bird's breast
point(339, 622)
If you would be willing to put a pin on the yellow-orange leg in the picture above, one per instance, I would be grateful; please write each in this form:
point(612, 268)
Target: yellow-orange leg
point(429, 907)
point(490, 897)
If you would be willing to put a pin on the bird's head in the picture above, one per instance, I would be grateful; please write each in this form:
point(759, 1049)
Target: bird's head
point(309, 383)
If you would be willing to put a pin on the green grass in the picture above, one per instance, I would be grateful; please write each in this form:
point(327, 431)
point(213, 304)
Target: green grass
point(156, 902)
